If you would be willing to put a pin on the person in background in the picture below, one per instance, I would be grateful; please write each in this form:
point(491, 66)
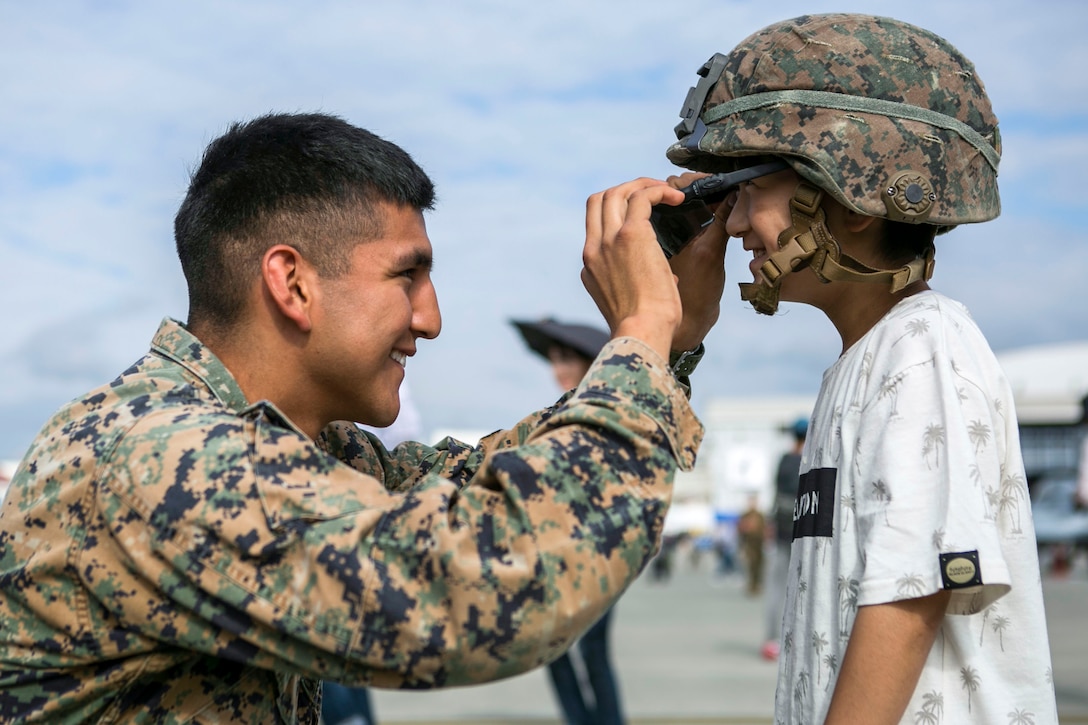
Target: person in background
point(786, 480)
point(725, 546)
point(752, 528)
point(570, 350)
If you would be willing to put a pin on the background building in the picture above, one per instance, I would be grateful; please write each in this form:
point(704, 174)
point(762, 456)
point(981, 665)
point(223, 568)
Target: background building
point(1049, 384)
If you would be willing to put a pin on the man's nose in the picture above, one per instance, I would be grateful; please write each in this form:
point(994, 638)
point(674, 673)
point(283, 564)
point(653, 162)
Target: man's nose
point(426, 316)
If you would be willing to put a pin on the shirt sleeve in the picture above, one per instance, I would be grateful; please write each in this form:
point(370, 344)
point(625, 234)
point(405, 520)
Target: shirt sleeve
point(936, 490)
point(479, 564)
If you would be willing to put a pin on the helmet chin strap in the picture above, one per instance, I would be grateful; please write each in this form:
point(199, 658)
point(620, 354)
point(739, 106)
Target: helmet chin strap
point(809, 243)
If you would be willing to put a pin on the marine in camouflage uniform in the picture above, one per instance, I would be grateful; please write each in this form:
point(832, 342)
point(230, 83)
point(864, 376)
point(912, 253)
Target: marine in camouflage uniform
point(172, 552)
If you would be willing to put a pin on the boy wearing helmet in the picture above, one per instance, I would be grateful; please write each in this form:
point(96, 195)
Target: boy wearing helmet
point(914, 591)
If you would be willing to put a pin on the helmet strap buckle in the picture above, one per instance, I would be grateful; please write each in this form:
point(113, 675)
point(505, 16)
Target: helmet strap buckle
point(797, 246)
point(808, 242)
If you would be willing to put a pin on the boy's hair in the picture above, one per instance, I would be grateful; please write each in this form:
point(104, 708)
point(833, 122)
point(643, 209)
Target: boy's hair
point(902, 242)
point(312, 181)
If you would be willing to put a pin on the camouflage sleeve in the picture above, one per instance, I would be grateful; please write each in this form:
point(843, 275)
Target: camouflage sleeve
point(271, 552)
point(405, 465)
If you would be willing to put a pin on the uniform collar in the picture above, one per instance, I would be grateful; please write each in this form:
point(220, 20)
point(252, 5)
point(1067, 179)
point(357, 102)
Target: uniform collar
point(175, 342)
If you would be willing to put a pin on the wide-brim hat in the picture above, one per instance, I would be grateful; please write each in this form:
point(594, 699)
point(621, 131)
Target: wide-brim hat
point(546, 333)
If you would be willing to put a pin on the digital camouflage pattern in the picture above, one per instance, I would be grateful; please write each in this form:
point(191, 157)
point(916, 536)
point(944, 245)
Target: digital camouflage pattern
point(855, 154)
point(171, 553)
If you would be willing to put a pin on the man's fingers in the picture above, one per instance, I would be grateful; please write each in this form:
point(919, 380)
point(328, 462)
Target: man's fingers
point(633, 200)
point(685, 179)
point(594, 224)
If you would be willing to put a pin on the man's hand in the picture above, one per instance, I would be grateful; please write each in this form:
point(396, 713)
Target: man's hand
point(625, 271)
point(700, 269)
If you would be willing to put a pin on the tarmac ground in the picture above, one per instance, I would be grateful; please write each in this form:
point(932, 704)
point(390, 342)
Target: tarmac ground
point(686, 652)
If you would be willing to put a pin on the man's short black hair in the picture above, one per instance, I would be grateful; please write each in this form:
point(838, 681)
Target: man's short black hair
point(311, 180)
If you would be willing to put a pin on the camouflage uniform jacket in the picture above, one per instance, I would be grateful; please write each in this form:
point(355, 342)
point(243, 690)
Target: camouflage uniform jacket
point(170, 552)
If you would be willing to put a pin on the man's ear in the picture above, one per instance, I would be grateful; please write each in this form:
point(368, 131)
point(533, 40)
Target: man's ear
point(289, 282)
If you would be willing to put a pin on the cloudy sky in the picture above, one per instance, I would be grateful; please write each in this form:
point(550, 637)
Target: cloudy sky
point(519, 111)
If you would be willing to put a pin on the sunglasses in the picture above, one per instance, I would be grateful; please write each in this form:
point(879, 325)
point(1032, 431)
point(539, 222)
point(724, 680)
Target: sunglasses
point(678, 225)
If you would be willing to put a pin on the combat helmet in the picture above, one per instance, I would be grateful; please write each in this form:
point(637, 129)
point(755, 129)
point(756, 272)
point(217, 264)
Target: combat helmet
point(885, 117)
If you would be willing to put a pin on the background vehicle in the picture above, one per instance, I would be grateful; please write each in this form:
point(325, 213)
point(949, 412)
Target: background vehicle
point(1060, 528)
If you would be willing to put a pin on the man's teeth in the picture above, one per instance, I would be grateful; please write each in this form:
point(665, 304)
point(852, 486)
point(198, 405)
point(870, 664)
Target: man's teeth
point(400, 358)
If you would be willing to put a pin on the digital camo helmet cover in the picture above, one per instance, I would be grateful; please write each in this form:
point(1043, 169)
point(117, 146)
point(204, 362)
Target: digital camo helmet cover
point(889, 119)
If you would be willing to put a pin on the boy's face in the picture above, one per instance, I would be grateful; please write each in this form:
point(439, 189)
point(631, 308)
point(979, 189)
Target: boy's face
point(368, 320)
point(760, 213)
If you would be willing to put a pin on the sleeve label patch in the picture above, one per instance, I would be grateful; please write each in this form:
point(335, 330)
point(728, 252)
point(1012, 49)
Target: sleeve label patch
point(960, 570)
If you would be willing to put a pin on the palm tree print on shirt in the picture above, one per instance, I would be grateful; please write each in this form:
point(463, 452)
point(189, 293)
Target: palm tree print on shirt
point(889, 388)
point(909, 586)
point(987, 505)
point(932, 709)
point(1012, 490)
point(932, 440)
point(993, 498)
point(970, 682)
point(848, 603)
point(999, 625)
point(849, 506)
point(863, 378)
point(819, 641)
point(1020, 717)
point(882, 494)
point(799, 691)
point(986, 616)
point(836, 431)
point(979, 434)
point(831, 661)
point(915, 328)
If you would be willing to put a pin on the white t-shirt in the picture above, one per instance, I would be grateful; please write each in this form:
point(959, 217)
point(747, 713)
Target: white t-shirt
point(912, 481)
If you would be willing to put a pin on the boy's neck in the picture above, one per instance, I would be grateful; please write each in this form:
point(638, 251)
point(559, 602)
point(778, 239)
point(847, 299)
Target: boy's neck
point(857, 312)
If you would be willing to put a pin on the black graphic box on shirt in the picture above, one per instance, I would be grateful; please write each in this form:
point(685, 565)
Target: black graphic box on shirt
point(814, 508)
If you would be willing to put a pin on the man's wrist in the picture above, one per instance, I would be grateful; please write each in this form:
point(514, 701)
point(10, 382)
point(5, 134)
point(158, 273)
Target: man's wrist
point(683, 362)
point(650, 330)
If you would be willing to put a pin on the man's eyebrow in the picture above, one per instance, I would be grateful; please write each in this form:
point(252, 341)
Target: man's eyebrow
point(415, 259)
